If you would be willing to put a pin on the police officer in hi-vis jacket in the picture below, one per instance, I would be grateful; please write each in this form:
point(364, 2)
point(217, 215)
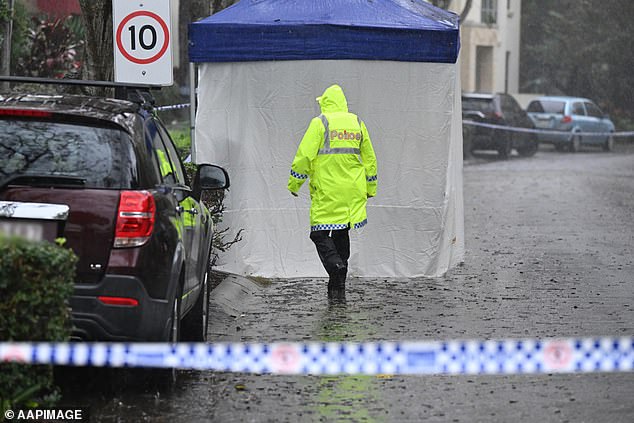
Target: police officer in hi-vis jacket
point(336, 154)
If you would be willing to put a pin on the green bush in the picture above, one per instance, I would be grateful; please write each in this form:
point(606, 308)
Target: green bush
point(53, 47)
point(36, 280)
point(182, 141)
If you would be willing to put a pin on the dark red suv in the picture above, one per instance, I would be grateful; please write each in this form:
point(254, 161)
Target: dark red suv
point(136, 222)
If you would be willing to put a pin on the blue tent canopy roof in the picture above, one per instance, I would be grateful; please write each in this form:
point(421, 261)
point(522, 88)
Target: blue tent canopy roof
point(252, 30)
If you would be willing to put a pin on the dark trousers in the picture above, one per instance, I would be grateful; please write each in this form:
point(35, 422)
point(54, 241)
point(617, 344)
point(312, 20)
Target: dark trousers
point(333, 248)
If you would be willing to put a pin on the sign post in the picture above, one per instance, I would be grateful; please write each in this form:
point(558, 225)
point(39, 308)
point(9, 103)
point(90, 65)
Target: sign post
point(142, 42)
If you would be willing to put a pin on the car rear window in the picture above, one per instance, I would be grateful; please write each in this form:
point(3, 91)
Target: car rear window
point(102, 156)
point(546, 106)
point(484, 105)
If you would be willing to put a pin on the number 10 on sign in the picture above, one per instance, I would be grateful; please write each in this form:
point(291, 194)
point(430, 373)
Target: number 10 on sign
point(142, 42)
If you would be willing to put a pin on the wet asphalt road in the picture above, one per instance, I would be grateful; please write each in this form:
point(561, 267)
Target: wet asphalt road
point(549, 243)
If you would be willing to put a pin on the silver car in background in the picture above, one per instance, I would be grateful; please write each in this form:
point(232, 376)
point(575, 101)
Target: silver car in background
point(575, 117)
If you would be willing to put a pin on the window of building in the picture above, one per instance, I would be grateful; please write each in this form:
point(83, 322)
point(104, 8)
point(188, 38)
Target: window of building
point(484, 69)
point(489, 12)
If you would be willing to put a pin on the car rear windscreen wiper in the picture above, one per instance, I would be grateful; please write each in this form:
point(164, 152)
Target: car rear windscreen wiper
point(43, 180)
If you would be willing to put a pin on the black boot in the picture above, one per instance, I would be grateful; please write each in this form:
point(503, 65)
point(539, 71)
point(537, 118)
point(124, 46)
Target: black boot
point(332, 282)
point(342, 273)
point(337, 278)
point(337, 284)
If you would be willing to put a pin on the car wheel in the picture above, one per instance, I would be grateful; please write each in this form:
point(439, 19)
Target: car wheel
point(170, 375)
point(608, 145)
point(575, 144)
point(504, 148)
point(174, 332)
point(164, 379)
point(529, 148)
point(194, 328)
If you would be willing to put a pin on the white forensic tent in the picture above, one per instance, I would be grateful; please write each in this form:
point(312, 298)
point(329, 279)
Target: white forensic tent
point(262, 63)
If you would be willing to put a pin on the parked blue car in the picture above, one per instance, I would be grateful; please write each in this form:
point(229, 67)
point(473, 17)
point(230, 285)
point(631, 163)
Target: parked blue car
point(571, 116)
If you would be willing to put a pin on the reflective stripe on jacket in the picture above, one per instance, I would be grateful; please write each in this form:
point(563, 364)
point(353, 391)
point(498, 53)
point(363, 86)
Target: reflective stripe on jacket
point(336, 154)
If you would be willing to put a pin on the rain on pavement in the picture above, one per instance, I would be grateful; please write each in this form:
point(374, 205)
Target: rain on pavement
point(549, 244)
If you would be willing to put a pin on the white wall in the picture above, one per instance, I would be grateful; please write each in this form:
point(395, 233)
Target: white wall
point(503, 37)
point(251, 117)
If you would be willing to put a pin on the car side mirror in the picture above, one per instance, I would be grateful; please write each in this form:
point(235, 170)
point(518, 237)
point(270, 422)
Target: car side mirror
point(209, 177)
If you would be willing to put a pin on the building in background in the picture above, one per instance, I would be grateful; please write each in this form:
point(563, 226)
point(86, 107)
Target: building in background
point(490, 45)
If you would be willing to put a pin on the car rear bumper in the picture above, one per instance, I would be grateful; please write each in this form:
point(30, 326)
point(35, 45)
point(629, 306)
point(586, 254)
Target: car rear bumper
point(95, 321)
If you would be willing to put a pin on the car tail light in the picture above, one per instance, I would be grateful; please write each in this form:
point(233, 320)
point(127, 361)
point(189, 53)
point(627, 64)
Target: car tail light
point(135, 219)
point(566, 119)
point(25, 113)
point(119, 301)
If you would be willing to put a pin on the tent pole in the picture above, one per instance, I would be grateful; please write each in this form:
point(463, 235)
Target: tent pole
point(192, 108)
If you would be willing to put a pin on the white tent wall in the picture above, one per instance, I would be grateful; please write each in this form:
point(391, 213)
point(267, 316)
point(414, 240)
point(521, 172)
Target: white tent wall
point(251, 117)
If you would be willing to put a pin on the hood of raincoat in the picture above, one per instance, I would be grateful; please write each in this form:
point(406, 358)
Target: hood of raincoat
point(333, 100)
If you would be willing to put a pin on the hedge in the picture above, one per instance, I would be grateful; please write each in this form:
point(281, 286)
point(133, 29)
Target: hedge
point(36, 281)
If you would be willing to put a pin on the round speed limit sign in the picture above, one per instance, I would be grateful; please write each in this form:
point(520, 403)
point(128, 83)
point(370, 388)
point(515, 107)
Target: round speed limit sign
point(142, 42)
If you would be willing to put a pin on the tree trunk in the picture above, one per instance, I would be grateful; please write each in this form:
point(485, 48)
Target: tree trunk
point(465, 11)
point(5, 60)
point(444, 4)
point(189, 11)
point(97, 16)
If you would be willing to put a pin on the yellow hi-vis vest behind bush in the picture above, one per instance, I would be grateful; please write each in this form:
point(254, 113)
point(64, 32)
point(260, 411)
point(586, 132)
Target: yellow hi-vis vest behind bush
point(336, 154)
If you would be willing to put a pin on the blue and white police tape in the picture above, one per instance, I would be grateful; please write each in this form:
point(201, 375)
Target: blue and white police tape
point(546, 131)
point(519, 356)
point(172, 107)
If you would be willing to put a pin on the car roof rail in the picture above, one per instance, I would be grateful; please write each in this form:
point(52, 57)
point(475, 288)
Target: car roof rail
point(135, 93)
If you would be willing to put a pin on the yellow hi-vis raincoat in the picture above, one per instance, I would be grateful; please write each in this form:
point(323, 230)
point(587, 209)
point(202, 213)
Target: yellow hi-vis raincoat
point(337, 155)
